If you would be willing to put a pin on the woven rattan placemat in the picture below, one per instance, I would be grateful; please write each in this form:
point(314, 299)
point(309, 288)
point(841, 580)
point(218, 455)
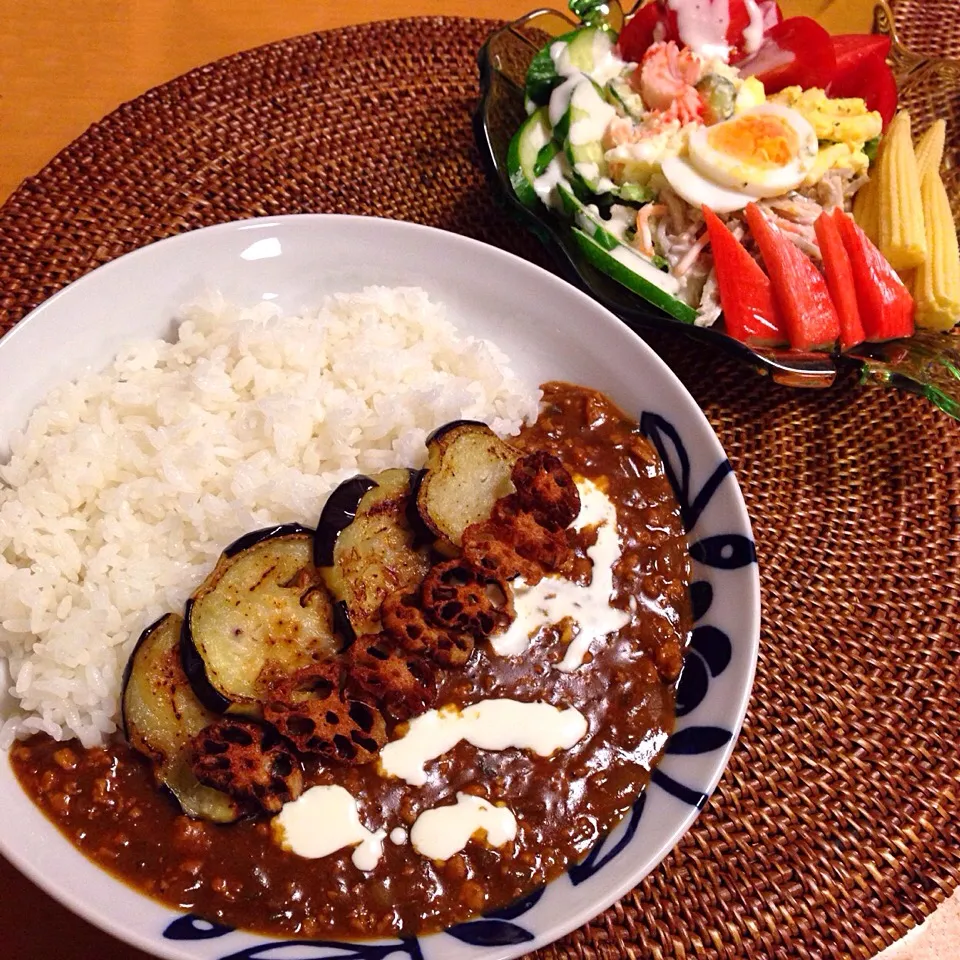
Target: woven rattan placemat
point(835, 827)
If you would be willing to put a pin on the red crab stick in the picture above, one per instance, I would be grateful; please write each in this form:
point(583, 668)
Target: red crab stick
point(798, 287)
point(746, 296)
point(836, 265)
point(886, 307)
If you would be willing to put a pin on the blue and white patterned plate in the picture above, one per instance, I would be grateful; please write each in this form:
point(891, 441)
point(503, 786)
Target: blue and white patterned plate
point(551, 331)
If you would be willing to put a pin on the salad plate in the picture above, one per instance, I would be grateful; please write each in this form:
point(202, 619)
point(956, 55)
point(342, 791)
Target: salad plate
point(927, 362)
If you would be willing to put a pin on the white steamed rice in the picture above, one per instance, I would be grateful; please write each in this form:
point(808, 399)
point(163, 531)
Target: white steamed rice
point(125, 485)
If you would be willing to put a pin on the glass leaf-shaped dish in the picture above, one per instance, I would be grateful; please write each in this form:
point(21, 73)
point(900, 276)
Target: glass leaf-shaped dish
point(927, 363)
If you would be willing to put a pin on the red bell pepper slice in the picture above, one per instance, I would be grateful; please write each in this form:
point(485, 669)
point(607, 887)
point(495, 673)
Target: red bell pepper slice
point(836, 265)
point(796, 52)
point(798, 287)
point(853, 49)
point(871, 80)
point(885, 304)
point(750, 312)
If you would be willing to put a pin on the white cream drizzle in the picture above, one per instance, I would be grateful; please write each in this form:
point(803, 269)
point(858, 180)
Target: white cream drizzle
point(440, 833)
point(753, 32)
point(555, 598)
point(323, 820)
point(490, 725)
point(702, 25)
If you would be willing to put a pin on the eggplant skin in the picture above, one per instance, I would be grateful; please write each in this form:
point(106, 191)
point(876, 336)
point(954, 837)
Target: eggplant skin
point(258, 536)
point(263, 612)
point(161, 715)
point(468, 469)
point(337, 514)
point(445, 428)
point(375, 555)
point(196, 670)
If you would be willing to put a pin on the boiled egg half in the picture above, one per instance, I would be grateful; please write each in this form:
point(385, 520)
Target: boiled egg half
point(763, 152)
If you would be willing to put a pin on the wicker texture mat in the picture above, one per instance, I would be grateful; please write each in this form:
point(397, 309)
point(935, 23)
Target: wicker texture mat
point(834, 829)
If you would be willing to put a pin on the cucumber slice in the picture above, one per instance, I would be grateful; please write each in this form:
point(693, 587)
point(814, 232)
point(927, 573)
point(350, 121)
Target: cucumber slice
point(636, 273)
point(589, 116)
point(634, 193)
point(585, 219)
point(620, 95)
point(523, 154)
point(587, 50)
point(545, 155)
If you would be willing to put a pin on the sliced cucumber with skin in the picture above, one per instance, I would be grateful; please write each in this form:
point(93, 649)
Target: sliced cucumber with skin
point(585, 219)
point(523, 155)
point(620, 95)
point(634, 193)
point(578, 53)
point(636, 273)
point(545, 155)
point(589, 116)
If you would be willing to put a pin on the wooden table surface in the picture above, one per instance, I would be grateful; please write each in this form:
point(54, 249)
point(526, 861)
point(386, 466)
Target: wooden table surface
point(66, 63)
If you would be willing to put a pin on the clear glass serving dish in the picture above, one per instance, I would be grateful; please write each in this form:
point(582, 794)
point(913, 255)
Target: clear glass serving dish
point(927, 363)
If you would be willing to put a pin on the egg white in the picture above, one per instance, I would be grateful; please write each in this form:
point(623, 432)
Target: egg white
point(741, 175)
point(697, 190)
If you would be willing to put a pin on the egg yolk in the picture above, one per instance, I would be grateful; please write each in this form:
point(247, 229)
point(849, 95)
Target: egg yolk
point(762, 141)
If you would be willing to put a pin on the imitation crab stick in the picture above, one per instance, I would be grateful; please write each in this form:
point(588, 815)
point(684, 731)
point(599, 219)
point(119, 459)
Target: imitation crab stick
point(746, 296)
point(837, 267)
point(799, 288)
point(886, 307)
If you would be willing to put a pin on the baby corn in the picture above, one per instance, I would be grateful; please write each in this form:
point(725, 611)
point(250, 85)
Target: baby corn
point(936, 285)
point(902, 237)
point(930, 148)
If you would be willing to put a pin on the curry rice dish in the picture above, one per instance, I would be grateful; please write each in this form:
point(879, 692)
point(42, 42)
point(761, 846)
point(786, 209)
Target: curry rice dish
point(417, 712)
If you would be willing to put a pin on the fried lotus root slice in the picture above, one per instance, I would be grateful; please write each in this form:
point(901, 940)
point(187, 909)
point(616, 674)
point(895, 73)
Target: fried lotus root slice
point(404, 684)
point(316, 682)
point(248, 761)
point(486, 547)
point(520, 530)
point(335, 728)
point(459, 596)
point(406, 623)
point(546, 490)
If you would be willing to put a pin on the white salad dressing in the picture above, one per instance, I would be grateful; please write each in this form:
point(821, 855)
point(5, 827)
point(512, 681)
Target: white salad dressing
point(590, 114)
point(545, 186)
point(555, 598)
point(489, 725)
point(753, 32)
point(560, 98)
point(606, 63)
point(702, 25)
point(323, 820)
point(440, 833)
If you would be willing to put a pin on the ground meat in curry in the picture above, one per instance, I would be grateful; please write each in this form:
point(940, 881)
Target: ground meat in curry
point(106, 803)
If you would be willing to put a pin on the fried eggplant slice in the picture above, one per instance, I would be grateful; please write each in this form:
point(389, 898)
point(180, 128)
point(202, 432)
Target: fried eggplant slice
point(468, 469)
point(263, 612)
point(161, 715)
point(373, 555)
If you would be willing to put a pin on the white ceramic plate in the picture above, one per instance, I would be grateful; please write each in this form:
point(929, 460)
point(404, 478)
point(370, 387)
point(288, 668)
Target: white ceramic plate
point(550, 331)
